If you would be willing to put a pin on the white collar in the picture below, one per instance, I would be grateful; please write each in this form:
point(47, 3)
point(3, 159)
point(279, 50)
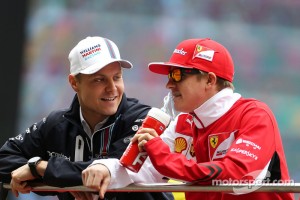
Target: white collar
point(86, 127)
point(215, 107)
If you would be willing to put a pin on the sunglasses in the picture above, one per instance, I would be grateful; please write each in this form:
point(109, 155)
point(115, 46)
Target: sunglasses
point(177, 74)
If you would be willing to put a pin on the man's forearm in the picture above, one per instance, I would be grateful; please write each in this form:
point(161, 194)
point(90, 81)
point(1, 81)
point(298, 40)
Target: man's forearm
point(64, 173)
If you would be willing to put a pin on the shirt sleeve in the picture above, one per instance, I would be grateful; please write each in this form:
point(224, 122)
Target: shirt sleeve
point(17, 150)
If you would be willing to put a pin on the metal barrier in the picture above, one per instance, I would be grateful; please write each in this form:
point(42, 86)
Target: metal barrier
point(171, 187)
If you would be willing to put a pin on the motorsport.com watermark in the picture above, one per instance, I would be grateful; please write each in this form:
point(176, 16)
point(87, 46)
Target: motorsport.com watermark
point(248, 186)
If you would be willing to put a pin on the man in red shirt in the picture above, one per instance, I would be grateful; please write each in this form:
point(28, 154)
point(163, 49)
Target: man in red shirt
point(235, 139)
point(220, 137)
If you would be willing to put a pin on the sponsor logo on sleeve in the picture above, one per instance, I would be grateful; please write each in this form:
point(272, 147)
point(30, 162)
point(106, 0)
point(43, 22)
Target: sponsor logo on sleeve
point(247, 143)
point(55, 154)
point(244, 152)
point(18, 137)
point(34, 128)
point(180, 144)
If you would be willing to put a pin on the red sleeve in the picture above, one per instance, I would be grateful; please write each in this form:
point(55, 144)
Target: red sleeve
point(176, 165)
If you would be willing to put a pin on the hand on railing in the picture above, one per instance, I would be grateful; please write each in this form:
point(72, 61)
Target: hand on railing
point(96, 177)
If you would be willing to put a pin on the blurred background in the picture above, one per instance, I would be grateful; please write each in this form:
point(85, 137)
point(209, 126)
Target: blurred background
point(263, 37)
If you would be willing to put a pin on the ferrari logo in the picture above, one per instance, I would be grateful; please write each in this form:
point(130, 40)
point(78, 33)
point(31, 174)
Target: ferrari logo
point(213, 141)
point(203, 53)
point(198, 48)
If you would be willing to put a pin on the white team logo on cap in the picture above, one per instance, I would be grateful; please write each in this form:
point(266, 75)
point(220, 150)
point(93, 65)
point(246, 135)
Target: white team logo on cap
point(90, 52)
point(203, 53)
point(180, 51)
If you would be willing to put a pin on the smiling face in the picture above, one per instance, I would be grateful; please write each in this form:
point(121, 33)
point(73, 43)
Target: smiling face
point(100, 93)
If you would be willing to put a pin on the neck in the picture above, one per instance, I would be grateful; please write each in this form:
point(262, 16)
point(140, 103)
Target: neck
point(92, 119)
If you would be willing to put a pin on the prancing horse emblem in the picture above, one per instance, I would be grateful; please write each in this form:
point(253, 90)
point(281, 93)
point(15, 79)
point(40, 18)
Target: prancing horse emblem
point(213, 141)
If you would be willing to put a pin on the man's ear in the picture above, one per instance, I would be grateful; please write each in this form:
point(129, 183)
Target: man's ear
point(211, 78)
point(73, 82)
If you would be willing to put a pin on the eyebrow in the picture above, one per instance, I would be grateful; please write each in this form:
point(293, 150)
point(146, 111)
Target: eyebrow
point(101, 74)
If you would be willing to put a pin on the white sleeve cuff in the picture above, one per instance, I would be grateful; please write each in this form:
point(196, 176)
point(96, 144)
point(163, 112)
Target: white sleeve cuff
point(119, 175)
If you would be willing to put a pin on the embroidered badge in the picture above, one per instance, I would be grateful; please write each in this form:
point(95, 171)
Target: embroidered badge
point(203, 53)
point(213, 141)
point(180, 144)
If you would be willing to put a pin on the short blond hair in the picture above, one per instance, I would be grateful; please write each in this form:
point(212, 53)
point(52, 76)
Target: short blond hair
point(222, 83)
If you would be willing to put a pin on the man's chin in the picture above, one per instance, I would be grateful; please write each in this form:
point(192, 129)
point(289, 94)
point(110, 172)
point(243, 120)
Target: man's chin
point(110, 112)
point(180, 108)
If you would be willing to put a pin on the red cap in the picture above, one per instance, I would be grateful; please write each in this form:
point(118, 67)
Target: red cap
point(203, 54)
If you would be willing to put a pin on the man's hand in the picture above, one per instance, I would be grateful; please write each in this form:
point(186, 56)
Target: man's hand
point(96, 177)
point(22, 174)
point(142, 136)
point(18, 180)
